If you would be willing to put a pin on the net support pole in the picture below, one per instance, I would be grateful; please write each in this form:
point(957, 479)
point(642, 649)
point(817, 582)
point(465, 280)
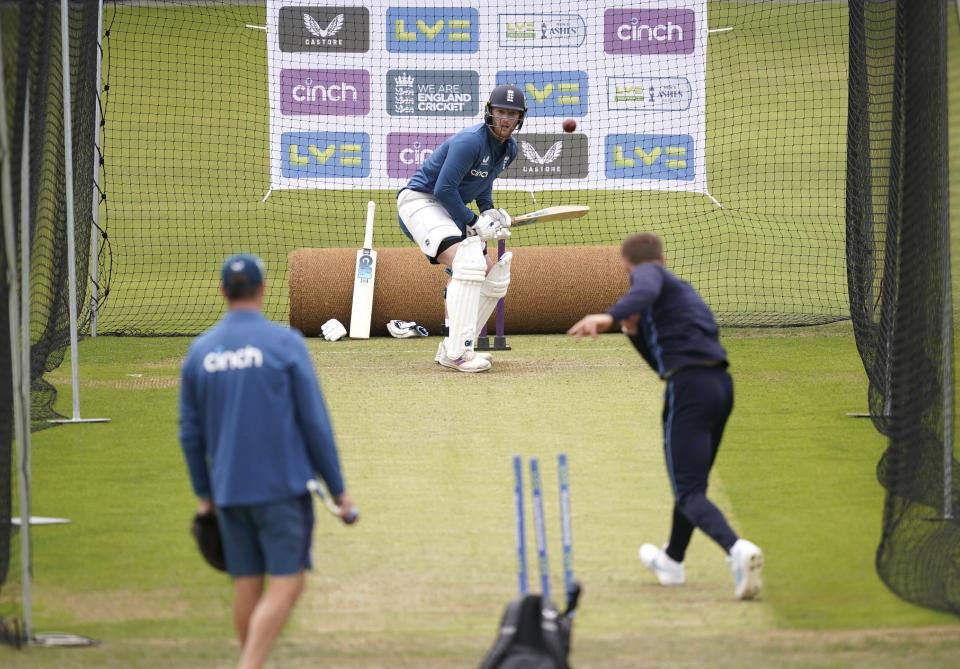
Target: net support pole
point(499, 340)
point(23, 478)
point(94, 232)
point(19, 333)
point(71, 240)
point(946, 287)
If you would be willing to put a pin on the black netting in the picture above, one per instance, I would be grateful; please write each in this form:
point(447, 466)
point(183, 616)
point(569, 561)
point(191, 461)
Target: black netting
point(200, 129)
point(34, 33)
point(33, 70)
point(898, 255)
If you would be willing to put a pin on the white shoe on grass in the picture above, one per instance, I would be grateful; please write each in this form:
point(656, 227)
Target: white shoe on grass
point(746, 561)
point(467, 355)
point(465, 363)
point(667, 570)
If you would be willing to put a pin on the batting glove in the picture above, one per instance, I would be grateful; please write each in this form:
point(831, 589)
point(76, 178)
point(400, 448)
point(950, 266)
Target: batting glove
point(406, 329)
point(490, 225)
point(500, 215)
point(332, 330)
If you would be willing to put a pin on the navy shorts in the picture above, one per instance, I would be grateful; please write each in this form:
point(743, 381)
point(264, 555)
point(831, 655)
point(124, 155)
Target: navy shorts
point(270, 538)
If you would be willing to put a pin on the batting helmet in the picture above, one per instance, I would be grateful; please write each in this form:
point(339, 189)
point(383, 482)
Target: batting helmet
point(505, 96)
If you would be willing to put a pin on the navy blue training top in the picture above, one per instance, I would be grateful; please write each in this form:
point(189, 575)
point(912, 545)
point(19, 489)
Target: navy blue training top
point(253, 424)
point(462, 170)
point(676, 326)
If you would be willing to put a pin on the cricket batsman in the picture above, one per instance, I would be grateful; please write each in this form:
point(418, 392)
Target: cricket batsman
point(433, 212)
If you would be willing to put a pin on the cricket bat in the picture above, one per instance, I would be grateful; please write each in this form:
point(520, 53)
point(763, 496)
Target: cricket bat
point(551, 214)
point(363, 277)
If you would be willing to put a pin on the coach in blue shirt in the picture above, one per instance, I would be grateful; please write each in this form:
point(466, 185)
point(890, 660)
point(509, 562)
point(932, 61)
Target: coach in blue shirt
point(675, 332)
point(254, 429)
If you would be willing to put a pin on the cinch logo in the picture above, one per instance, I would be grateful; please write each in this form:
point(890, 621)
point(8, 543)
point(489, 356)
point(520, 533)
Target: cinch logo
point(433, 93)
point(550, 156)
point(550, 93)
point(649, 31)
point(478, 173)
point(325, 155)
point(541, 30)
point(433, 30)
point(221, 361)
point(324, 92)
point(406, 151)
point(311, 29)
point(667, 157)
point(649, 93)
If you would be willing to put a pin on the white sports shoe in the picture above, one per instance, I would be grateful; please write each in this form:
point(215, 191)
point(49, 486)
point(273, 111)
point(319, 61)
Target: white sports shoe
point(467, 355)
point(465, 363)
point(667, 570)
point(746, 561)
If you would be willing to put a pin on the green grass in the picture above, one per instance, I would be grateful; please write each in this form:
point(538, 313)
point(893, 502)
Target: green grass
point(421, 581)
point(423, 577)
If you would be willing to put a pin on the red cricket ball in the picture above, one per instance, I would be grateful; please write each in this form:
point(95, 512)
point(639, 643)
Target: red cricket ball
point(569, 125)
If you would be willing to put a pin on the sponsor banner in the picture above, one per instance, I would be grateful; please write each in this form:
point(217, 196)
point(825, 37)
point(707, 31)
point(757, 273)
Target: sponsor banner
point(550, 93)
point(406, 151)
point(433, 93)
point(311, 155)
point(649, 93)
point(649, 31)
point(331, 92)
point(550, 156)
point(433, 30)
point(361, 92)
point(319, 29)
point(661, 157)
point(544, 31)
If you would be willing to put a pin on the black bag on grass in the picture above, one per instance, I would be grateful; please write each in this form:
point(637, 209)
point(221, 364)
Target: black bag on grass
point(533, 635)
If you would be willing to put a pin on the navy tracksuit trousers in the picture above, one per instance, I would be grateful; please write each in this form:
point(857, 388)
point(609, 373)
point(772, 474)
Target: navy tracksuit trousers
point(697, 403)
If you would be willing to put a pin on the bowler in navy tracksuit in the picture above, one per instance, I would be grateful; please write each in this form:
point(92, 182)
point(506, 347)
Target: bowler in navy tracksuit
point(254, 429)
point(675, 332)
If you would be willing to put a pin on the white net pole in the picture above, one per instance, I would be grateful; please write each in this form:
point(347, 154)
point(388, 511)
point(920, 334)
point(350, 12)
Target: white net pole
point(23, 477)
point(71, 240)
point(21, 411)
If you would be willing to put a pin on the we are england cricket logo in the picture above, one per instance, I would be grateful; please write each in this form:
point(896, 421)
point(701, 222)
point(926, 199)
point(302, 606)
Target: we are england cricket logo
point(312, 29)
point(550, 156)
point(433, 93)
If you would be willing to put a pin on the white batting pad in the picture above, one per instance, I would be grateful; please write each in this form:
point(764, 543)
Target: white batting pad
point(494, 287)
point(463, 296)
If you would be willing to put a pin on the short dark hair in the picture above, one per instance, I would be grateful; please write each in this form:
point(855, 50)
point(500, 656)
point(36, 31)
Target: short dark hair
point(642, 247)
point(239, 288)
point(241, 275)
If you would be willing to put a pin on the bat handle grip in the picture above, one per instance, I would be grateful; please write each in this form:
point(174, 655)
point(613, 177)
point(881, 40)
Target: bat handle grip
point(352, 516)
